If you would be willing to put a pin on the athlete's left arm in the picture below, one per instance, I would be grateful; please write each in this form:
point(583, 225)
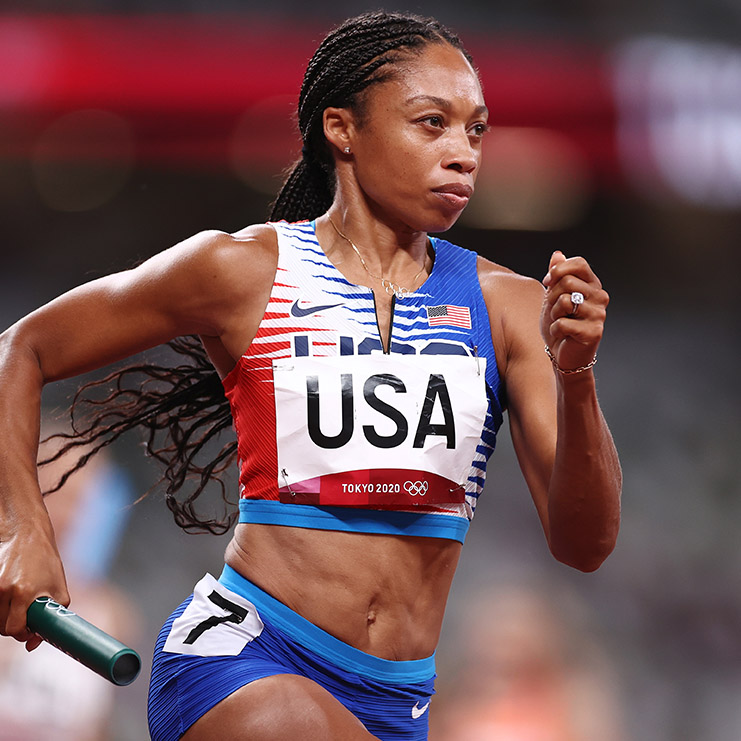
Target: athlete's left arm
point(562, 441)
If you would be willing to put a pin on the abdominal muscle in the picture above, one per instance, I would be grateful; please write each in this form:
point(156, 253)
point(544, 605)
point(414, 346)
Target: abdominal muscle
point(382, 594)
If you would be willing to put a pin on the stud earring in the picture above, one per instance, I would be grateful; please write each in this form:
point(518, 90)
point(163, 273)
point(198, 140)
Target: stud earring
point(347, 150)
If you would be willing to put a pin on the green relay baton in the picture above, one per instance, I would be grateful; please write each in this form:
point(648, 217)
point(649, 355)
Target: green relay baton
point(84, 642)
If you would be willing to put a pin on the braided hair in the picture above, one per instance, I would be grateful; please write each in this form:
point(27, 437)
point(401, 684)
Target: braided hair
point(358, 54)
point(182, 407)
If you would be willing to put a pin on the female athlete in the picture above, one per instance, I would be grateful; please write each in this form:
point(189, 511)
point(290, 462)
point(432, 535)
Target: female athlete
point(365, 367)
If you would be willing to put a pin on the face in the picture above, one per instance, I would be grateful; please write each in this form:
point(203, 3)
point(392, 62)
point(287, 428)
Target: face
point(417, 150)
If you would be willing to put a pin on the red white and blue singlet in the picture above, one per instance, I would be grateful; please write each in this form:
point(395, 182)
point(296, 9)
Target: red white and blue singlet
point(336, 434)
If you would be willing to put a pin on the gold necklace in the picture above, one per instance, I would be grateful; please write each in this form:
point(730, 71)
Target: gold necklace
point(389, 286)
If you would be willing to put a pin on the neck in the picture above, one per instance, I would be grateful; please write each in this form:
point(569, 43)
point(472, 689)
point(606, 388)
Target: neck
point(354, 238)
point(392, 284)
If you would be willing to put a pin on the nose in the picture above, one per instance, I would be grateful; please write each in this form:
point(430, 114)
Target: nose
point(461, 154)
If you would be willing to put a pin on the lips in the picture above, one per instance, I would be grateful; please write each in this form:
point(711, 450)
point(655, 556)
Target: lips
point(456, 195)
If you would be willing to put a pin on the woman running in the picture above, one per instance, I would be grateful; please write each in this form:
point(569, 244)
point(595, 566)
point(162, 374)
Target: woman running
point(365, 367)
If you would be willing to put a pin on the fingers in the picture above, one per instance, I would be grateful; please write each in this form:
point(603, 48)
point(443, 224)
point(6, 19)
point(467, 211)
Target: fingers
point(33, 642)
point(561, 303)
point(15, 623)
point(573, 275)
point(29, 568)
point(562, 267)
point(593, 307)
point(587, 333)
point(573, 330)
point(556, 258)
point(17, 615)
point(584, 323)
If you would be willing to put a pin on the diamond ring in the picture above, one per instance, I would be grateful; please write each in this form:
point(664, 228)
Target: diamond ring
point(577, 298)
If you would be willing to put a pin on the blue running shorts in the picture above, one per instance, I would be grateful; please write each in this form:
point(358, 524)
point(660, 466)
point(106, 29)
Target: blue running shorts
point(229, 633)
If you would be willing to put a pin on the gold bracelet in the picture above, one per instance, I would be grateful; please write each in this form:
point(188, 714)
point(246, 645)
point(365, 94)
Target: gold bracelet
point(573, 370)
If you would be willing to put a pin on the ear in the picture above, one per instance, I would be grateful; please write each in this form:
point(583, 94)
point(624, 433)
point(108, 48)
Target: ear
point(339, 126)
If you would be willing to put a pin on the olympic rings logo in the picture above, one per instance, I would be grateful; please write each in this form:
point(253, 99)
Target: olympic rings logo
point(61, 610)
point(416, 488)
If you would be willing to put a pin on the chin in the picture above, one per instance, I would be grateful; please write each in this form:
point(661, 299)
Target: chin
point(429, 220)
point(442, 222)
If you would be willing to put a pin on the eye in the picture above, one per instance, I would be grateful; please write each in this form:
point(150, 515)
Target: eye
point(479, 129)
point(435, 121)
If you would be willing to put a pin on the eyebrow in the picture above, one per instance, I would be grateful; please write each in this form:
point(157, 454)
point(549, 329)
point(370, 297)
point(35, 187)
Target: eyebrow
point(442, 103)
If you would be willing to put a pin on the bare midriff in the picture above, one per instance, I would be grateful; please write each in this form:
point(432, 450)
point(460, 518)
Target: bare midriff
point(382, 594)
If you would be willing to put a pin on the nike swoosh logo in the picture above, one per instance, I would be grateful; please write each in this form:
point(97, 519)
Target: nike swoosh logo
point(297, 311)
point(418, 712)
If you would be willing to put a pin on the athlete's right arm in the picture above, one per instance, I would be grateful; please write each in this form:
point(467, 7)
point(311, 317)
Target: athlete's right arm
point(212, 285)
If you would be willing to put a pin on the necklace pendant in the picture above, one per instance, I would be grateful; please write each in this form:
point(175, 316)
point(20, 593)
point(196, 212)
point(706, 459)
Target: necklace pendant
point(394, 289)
point(391, 288)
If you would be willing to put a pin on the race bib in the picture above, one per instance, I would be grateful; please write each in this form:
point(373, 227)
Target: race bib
point(378, 430)
point(217, 622)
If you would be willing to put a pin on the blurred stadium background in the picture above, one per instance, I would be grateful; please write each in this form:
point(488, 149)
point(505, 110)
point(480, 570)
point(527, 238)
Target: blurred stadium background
point(126, 126)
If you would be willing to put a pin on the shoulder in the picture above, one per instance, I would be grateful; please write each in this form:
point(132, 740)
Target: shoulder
point(210, 276)
point(514, 303)
point(257, 242)
point(504, 287)
point(217, 261)
point(261, 236)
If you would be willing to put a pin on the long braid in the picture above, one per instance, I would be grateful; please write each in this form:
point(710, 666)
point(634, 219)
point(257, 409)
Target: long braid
point(183, 403)
point(186, 403)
